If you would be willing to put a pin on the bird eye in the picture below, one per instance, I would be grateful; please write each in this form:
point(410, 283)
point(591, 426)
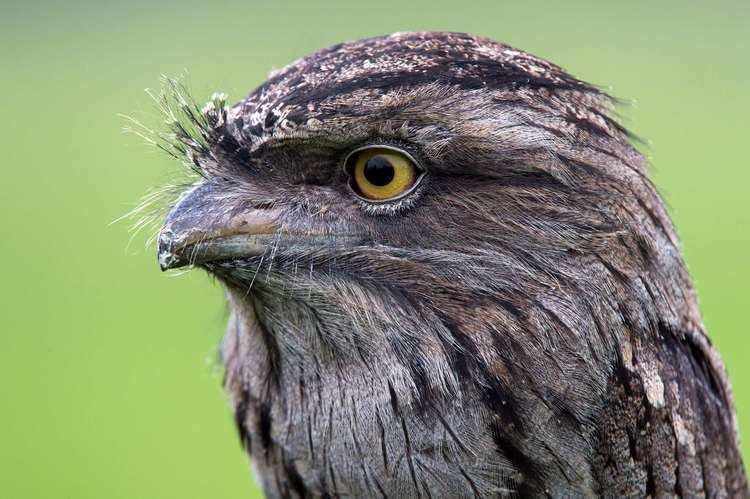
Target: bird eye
point(382, 173)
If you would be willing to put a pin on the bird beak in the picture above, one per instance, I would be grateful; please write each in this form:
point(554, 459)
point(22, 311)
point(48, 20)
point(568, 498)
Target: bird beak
point(199, 230)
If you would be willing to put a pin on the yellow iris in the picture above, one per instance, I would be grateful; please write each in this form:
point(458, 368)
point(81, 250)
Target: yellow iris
point(381, 173)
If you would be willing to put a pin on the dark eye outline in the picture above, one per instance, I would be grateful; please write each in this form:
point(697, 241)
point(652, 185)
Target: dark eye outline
point(349, 165)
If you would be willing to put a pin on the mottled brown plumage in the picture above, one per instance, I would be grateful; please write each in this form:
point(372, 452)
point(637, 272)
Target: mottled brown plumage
point(521, 324)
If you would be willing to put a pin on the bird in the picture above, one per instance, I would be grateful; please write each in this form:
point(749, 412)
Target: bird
point(448, 275)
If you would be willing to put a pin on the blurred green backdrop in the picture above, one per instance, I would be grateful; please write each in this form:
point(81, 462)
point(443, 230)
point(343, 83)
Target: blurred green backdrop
point(109, 382)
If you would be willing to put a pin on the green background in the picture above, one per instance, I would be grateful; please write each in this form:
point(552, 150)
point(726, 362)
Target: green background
point(108, 380)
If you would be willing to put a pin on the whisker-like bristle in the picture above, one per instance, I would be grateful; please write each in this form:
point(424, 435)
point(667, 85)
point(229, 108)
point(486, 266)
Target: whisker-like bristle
point(186, 133)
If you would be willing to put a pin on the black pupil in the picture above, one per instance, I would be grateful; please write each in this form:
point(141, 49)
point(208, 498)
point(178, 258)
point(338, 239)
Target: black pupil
point(379, 171)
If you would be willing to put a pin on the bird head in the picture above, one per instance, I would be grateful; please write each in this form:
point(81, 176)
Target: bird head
point(434, 230)
point(408, 198)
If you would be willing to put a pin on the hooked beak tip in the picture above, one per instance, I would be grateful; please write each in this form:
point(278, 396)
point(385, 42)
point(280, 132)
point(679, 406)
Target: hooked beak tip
point(168, 257)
